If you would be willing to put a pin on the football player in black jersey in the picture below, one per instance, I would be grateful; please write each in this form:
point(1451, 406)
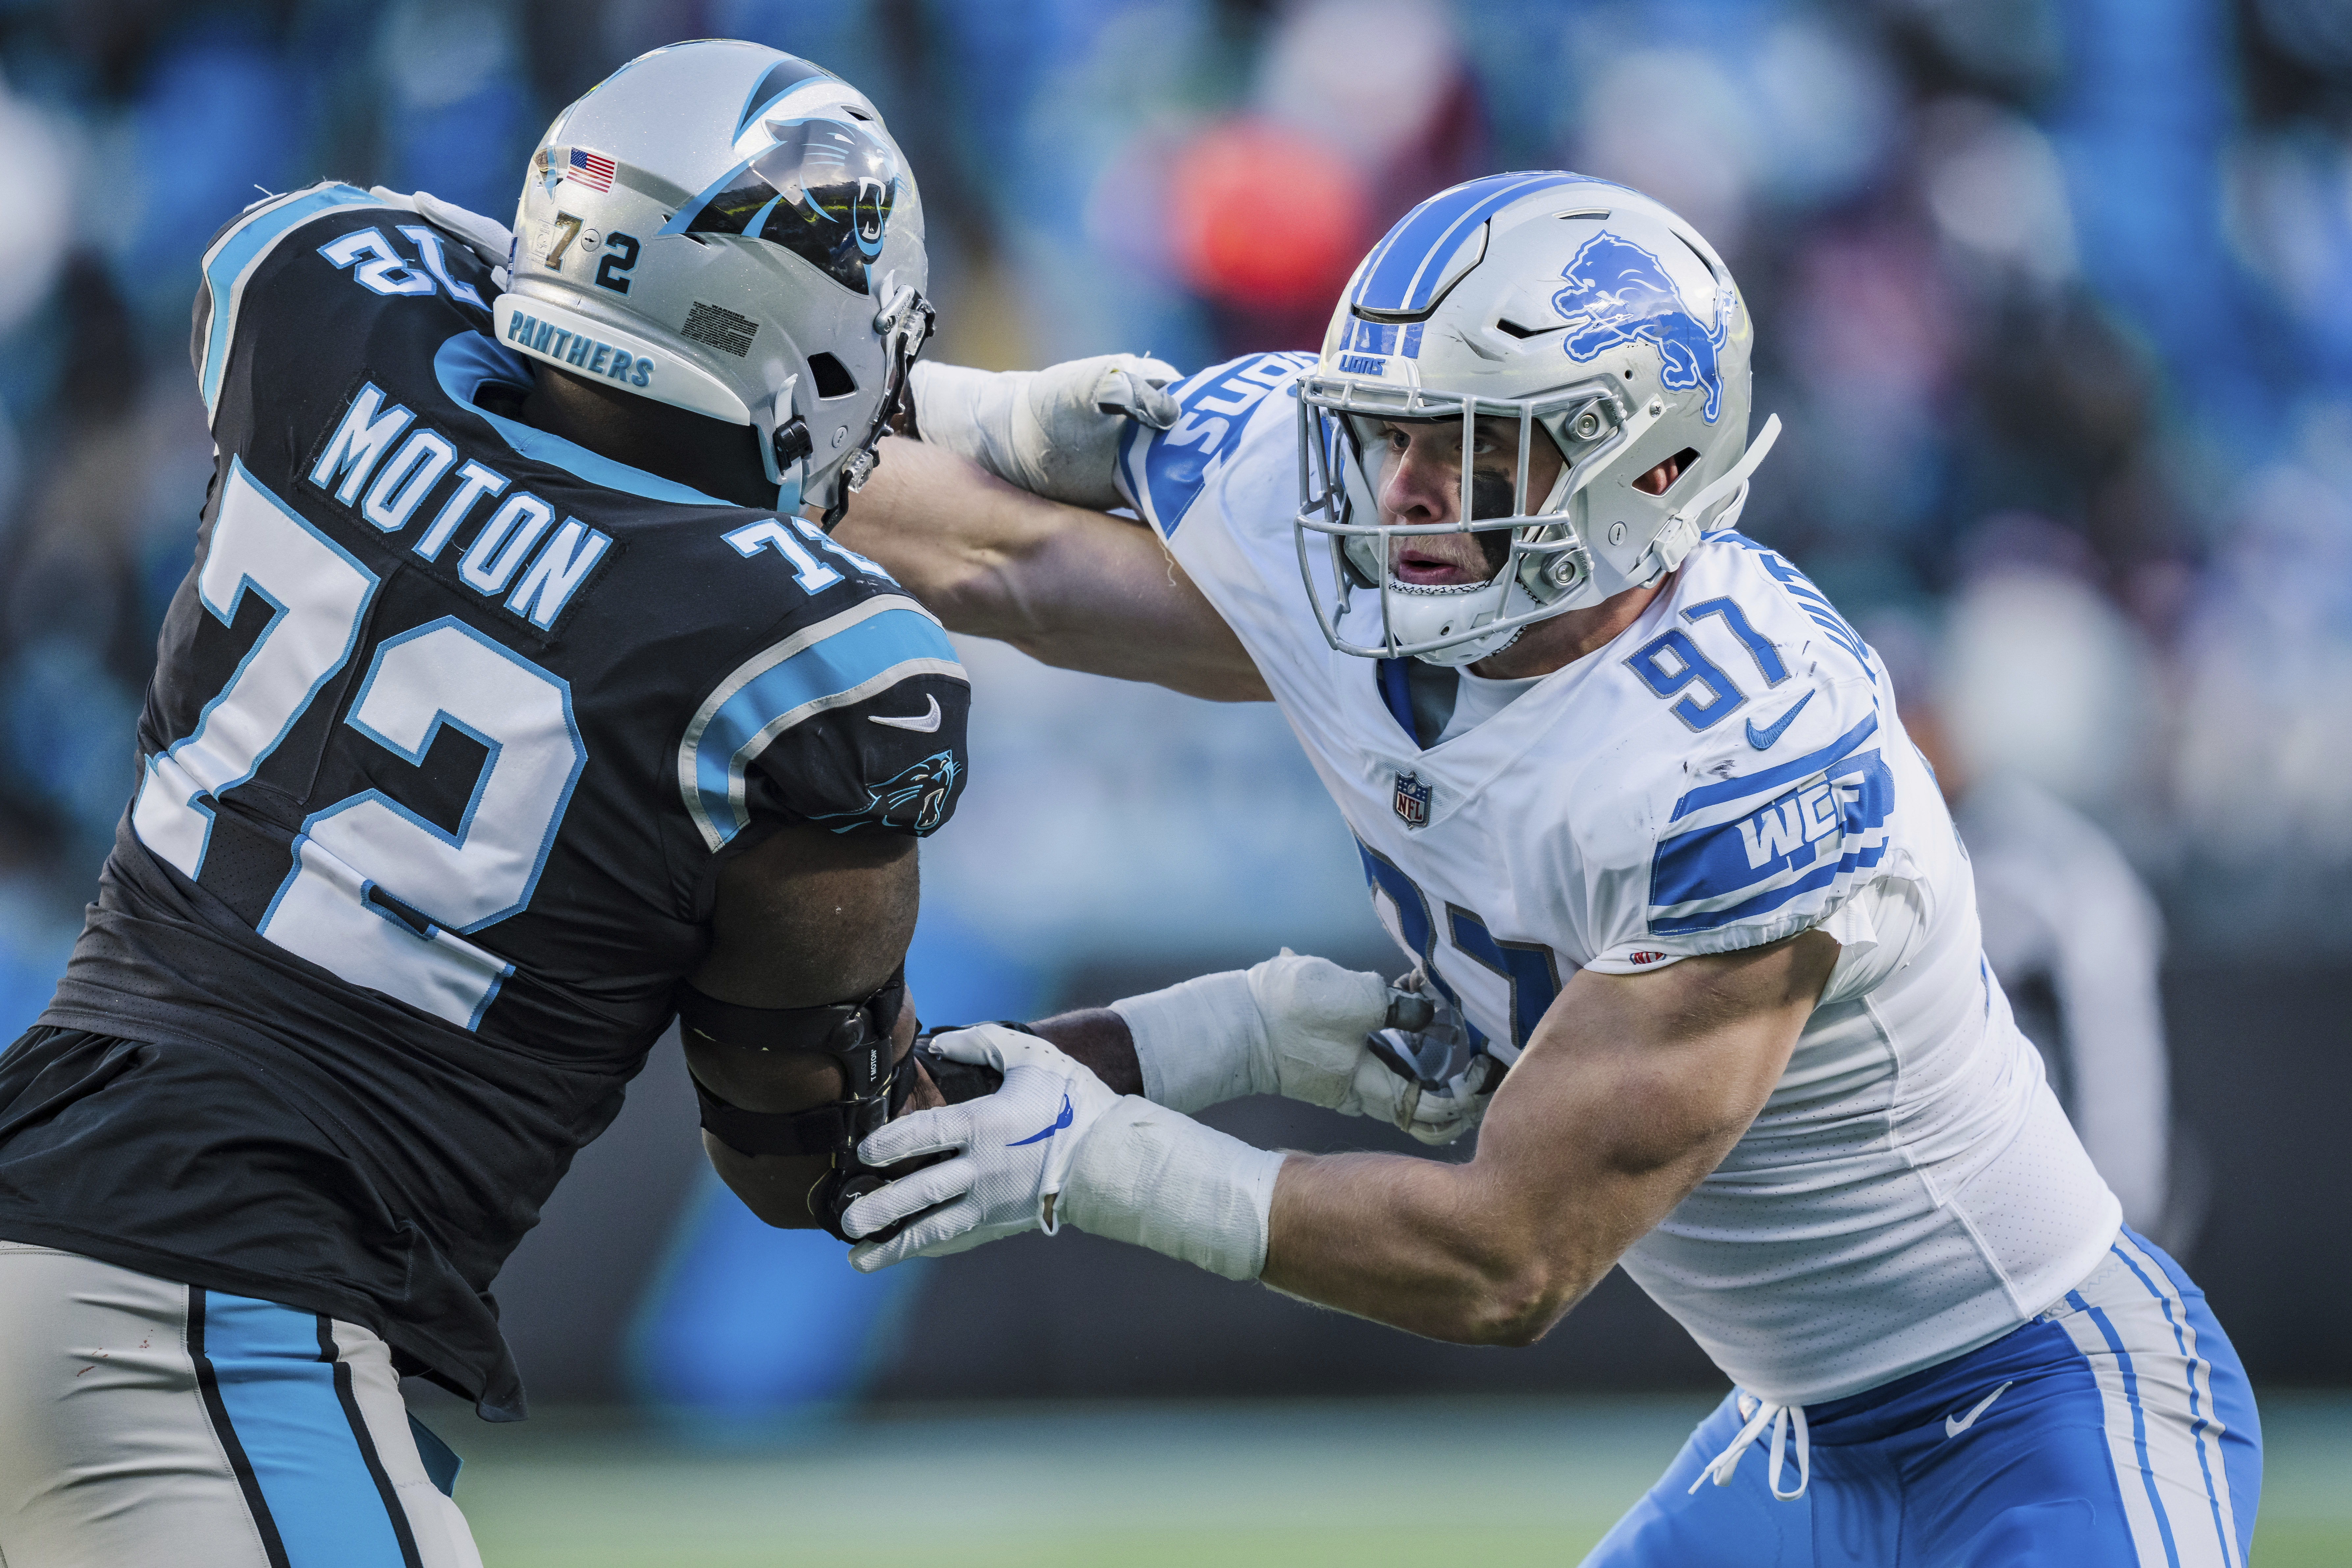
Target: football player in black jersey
point(511, 708)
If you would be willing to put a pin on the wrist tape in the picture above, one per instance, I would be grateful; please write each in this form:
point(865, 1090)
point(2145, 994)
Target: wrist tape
point(1147, 1176)
point(1201, 1043)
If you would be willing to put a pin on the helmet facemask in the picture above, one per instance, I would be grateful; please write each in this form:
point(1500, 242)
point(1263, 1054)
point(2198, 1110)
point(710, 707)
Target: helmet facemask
point(1539, 562)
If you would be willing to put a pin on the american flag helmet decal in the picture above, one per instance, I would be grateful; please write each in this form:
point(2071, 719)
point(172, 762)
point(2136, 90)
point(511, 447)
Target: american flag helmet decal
point(593, 169)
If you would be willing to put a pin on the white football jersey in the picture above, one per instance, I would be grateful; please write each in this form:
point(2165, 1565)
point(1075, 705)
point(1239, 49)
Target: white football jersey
point(1728, 771)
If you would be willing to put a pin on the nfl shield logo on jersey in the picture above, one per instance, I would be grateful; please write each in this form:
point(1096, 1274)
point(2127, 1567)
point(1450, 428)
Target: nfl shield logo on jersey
point(1412, 800)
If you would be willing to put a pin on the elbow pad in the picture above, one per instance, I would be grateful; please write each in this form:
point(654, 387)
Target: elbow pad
point(855, 1036)
point(1054, 432)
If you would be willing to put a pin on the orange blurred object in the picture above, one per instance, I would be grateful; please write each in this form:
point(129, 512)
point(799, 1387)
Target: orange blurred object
point(1263, 217)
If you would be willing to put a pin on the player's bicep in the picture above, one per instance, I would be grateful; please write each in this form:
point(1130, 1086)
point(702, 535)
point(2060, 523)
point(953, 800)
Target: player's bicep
point(852, 719)
point(1069, 587)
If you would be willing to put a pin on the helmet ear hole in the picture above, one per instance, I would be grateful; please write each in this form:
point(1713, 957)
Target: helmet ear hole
point(1668, 474)
point(831, 377)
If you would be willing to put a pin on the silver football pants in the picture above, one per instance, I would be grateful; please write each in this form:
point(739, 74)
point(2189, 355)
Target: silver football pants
point(148, 1423)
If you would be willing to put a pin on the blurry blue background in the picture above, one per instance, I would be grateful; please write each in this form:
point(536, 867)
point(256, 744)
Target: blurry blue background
point(2053, 295)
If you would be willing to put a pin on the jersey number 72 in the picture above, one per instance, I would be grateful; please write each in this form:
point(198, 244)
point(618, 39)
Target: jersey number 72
point(377, 895)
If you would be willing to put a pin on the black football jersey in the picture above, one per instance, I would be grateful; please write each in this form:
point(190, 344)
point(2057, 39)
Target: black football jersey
point(452, 724)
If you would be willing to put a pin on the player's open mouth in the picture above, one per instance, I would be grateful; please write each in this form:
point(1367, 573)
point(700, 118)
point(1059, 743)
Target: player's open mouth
point(1416, 566)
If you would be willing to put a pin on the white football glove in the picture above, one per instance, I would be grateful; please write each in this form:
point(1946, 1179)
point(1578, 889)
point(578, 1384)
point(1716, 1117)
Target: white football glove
point(1055, 432)
point(1017, 1146)
point(1440, 1083)
point(486, 237)
point(1307, 1030)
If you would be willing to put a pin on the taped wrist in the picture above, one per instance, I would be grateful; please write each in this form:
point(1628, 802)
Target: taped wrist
point(1201, 1043)
point(971, 413)
point(1147, 1176)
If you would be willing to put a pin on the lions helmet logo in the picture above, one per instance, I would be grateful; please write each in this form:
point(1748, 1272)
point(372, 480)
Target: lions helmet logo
point(1619, 293)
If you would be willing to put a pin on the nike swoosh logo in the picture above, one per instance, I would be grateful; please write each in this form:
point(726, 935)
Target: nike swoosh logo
point(1067, 1117)
point(923, 724)
point(1956, 1424)
point(1763, 739)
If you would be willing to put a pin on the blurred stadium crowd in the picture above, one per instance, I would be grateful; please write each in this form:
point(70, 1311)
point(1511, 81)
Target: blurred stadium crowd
point(2053, 295)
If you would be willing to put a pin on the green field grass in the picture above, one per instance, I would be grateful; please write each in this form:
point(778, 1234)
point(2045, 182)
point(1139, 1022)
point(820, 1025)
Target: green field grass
point(1363, 1485)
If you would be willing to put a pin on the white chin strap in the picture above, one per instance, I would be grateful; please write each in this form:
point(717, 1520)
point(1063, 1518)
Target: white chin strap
point(1416, 615)
point(1682, 530)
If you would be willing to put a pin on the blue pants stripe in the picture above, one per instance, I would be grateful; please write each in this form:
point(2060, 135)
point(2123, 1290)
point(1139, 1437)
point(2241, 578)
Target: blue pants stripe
point(208, 1383)
point(283, 1401)
point(2199, 1422)
point(2139, 1422)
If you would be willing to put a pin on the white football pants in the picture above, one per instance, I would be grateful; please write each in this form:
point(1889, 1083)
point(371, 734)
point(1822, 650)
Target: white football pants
point(147, 1423)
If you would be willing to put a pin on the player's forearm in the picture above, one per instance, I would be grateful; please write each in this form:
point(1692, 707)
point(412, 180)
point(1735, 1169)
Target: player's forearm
point(954, 536)
point(1160, 630)
point(1098, 1038)
point(1067, 587)
point(1632, 1090)
point(1437, 1250)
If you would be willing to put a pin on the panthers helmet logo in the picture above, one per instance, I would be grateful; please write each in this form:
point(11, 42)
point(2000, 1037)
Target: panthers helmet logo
point(823, 191)
point(1619, 293)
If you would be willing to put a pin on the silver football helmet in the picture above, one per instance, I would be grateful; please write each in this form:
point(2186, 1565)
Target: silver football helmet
point(729, 229)
point(1581, 314)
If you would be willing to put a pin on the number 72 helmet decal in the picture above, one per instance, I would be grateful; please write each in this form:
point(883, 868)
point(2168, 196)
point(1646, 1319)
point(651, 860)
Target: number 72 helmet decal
point(1565, 323)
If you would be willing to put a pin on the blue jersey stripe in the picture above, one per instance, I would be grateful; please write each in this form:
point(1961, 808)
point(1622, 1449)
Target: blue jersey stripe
point(1403, 275)
point(236, 253)
point(1746, 784)
point(1765, 903)
point(1397, 692)
point(279, 1392)
point(802, 684)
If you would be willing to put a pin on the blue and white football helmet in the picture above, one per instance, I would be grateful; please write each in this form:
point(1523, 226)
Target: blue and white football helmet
point(1593, 318)
point(739, 225)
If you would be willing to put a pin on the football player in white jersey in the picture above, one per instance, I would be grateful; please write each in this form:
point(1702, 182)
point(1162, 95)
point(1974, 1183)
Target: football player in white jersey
point(1698, 936)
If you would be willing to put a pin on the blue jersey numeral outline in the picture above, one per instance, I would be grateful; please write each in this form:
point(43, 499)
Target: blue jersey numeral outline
point(1529, 968)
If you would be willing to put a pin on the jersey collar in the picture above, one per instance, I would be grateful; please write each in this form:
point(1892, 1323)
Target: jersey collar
point(468, 359)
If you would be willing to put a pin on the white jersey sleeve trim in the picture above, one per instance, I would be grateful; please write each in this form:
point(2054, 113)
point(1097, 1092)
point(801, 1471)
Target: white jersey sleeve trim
point(1757, 857)
point(1163, 472)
